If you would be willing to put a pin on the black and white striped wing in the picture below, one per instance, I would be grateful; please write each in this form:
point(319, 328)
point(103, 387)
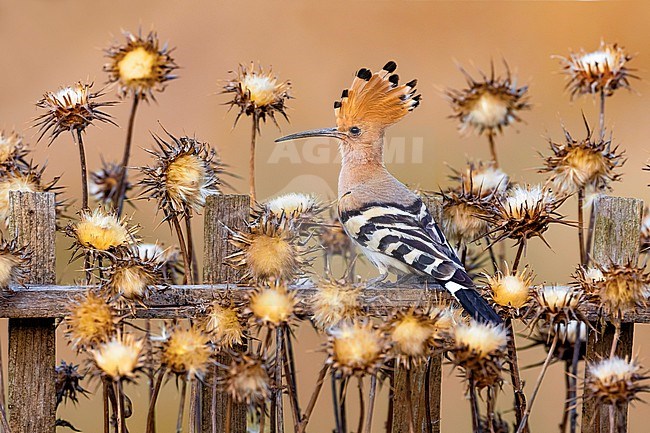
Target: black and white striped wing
point(409, 235)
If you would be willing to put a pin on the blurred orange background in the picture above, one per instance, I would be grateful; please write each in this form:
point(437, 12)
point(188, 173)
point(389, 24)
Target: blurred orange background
point(318, 46)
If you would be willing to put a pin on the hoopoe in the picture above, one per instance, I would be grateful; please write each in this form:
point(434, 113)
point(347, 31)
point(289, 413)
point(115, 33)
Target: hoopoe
point(388, 221)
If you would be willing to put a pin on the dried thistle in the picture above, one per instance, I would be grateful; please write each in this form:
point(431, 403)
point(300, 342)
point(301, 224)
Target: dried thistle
point(67, 383)
point(465, 215)
point(557, 305)
point(101, 233)
point(645, 232)
point(89, 321)
point(266, 252)
point(489, 104)
point(510, 293)
point(333, 239)
point(12, 151)
point(223, 323)
point(247, 380)
point(272, 306)
point(185, 173)
point(356, 348)
point(615, 381)
point(14, 263)
point(622, 288)
point(481, 178)
point(579, 164)
point(293, 211)
point(411, 334)
point(129, 278)
point(71, 108)
point(140, 66)
point(525, 212)
point(499, 425)
point(119, 358)
point(257, 93)
point(168, 259)
point(185, 351)
point(104, 183)
point(479, 348)
point(603, 70)
point(445, 318)
point(335, 301)
point(28, 178)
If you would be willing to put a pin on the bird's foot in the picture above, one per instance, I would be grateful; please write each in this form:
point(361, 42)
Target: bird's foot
point(377, 281)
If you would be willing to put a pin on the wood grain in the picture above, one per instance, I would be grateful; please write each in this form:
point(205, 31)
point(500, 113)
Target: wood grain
point(221, 212)
point(32, 394)
point(616, 241)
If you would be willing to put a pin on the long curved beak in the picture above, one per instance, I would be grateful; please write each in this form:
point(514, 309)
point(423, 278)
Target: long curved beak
point(325, 132)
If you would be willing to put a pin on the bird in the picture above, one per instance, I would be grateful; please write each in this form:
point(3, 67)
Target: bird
point(388, 221)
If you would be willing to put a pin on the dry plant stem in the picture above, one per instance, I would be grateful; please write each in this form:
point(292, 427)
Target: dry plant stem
point(149, 357)
point(314, 398)
point(121, 186)
point(371, 402)
point(335, 405)
point(409, 405)
point(473, 399)
point(590, 232)
point(251, 162)
point(617, 336)
point(568, 399)
point(515, 377)
point(213, 402)
point(181, 406)
point(427, 394)
point(5, 423)
point(291, 373)
point(191, 256)
point(84, 170)
point(107, 424)
point(295, 410)
point(279, 410)
point(520, 250)
point(538, 384)
point(581, 231)
point(120, 407)
point(391, 396)
point(491, 404)
point(601, 117)
point(573, 381)
point(151, 415)
point(181, 242)
point(342, 404)
point(262, 418)
point(362, 406)
point(493, 149)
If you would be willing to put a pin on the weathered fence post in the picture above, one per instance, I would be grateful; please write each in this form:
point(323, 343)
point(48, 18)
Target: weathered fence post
point(616, 241)
point(426, 380)
point(32, 396)
point(220, 211)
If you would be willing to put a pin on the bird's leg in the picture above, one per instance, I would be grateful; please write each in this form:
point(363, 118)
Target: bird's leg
point(408, 279)
point(377, 280)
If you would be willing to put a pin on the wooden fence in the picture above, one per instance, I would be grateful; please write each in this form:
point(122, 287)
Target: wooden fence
point(32, 311)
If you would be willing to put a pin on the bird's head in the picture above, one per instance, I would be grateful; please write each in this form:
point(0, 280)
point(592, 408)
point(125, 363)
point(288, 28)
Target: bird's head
point(373, 102)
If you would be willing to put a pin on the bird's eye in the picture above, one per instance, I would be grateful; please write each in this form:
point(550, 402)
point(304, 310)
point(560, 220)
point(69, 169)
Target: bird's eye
point(355, 130)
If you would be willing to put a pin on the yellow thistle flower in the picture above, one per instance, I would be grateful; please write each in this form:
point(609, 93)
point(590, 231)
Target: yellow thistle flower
point(479, 348)
point(556, 305)
point(12, 149)
point(70, 108)
point(356, 348)
point(103, 183)
point(224, 326)
point(90, 320)
point(130, 278)
point(333, 302)
point(184, 175)
point(119, 358)
point(266, 252)
point(510, 291)
point(525, 212)
point(140, 65)
point(603, 70)
point(185, 351)
point(247, 381)
point(272, 306)
point(411, 334)
point(622, 288)
point(577, 165)
point(490, 104)
point(615, 381)
point(257, 93)
point(14, 262)
point(101, 232)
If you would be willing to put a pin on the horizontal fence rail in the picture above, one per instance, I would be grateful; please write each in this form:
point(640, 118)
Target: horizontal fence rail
point(33, 308)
